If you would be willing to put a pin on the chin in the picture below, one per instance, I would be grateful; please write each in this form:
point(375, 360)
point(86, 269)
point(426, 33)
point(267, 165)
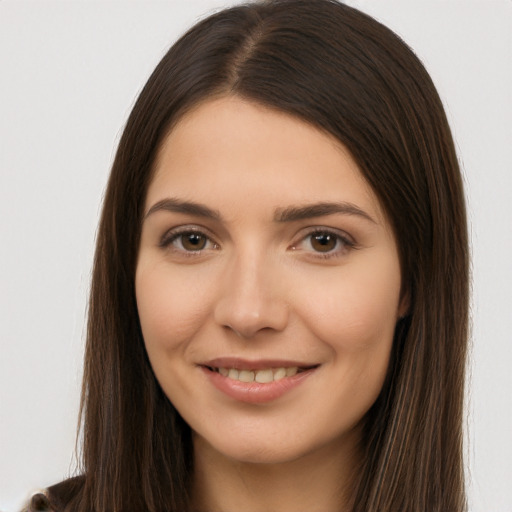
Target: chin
point(268, 449)
point(245, 452)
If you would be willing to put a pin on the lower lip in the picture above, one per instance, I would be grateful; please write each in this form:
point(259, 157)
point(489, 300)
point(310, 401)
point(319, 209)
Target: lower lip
point(254, 392)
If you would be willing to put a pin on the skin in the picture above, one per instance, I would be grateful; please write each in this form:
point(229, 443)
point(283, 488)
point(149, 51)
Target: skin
point(261, 287)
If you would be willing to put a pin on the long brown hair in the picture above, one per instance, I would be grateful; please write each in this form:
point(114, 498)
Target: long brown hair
point(345, 73)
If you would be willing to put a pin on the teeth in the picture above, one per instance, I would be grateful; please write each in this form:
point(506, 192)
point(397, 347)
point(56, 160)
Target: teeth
point(246, 376)
point(280, 373)
point(262, 376)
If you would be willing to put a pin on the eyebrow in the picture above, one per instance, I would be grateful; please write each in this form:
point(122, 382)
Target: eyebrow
point(180, 206)
point(295, 213)
point(281, 215)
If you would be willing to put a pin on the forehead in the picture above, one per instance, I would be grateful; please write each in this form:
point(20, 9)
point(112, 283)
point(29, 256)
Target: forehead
point(236, 152)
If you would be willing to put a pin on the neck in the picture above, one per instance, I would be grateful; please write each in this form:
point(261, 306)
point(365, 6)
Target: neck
point(321, 481)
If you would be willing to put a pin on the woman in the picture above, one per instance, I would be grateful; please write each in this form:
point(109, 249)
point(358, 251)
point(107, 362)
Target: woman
point(278, 313)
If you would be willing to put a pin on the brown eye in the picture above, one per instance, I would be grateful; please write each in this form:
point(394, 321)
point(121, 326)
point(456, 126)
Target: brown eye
point(323, 242)
point(193, 241)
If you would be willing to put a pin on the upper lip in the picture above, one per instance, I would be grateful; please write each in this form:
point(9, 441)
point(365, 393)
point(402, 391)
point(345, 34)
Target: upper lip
point(259, 364)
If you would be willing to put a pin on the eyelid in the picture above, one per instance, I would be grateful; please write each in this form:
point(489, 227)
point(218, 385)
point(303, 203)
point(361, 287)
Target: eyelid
point(347, 241)
point(172, 234)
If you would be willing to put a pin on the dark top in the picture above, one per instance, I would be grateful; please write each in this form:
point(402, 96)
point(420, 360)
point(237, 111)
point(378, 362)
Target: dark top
point(56, 497)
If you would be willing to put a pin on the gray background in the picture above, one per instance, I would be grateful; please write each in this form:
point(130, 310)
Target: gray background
point(69, 73)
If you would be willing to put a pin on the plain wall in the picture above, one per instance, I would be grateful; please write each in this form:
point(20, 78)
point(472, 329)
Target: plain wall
point(69, 74)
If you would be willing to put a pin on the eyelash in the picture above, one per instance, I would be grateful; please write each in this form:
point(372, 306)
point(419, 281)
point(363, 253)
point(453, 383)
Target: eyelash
point(343, 242)
point(174, 235)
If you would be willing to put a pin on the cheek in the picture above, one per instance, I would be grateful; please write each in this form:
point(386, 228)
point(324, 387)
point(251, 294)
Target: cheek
point(356, 311)
point(171, 310)
point(356, 322)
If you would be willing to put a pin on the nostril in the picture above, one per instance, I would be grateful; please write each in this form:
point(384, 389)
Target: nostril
point(248, 318)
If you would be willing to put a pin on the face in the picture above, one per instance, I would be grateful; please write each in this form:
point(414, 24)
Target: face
point(268, 283)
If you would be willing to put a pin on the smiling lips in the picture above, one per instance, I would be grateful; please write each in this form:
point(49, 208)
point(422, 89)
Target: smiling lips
point(259, 382)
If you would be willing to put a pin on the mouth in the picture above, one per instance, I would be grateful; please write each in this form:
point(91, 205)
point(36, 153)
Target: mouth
point(256, 382)
point(259, 375)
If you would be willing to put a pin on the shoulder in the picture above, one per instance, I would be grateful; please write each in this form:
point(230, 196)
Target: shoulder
point(56, 497)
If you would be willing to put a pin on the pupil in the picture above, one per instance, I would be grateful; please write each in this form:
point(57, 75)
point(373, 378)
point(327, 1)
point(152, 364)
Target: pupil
point(193, 241)
point(323, 242)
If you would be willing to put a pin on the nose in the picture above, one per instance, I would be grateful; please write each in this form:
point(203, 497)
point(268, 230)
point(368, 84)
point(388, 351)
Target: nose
point(251, 299)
